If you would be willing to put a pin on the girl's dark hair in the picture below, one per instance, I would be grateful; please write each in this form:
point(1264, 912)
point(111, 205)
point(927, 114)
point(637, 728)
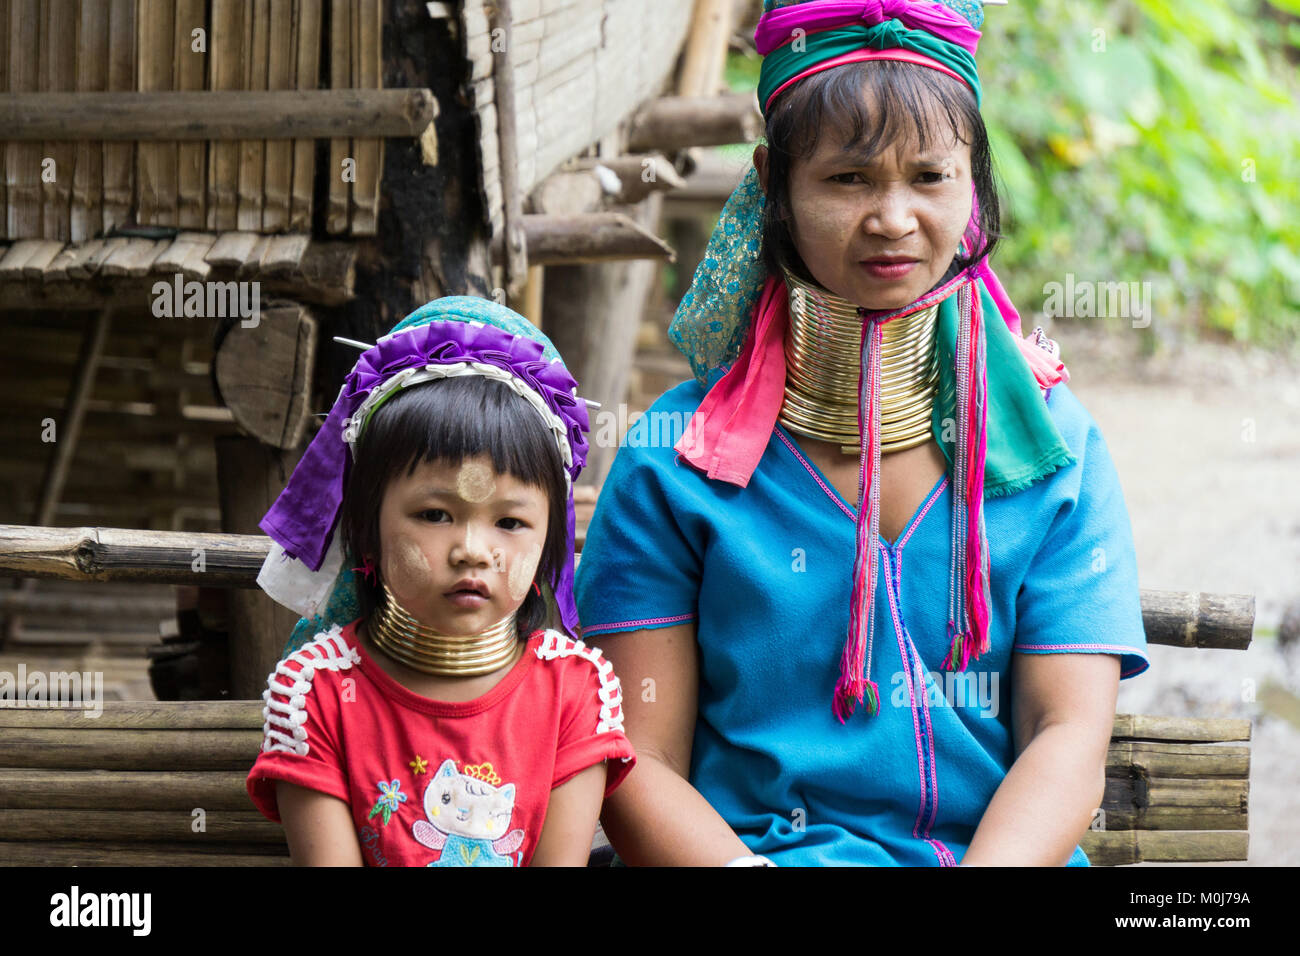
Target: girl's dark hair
point(838, 98)
point(448, 420)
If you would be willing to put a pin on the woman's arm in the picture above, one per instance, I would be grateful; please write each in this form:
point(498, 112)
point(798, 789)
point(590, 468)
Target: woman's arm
point(571, 816)
point(1062, 713)
point(318, 826)
point(655, 817)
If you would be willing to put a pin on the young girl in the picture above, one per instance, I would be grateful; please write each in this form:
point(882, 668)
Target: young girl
point(424, 717)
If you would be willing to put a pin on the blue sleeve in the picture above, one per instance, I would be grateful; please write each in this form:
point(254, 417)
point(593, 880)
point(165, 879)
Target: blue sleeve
point(1080, 594)
point(639, 567)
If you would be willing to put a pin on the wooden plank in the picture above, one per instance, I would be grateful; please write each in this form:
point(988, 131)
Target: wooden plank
point(173, 826)
point(232, 249)
point(156, 162)
point(367, 30)
point(59, 749)
point(57, 270)
point(1191, 729)
point(172, 259)
point(41, 257)
point(80, 853)
point(195, 265)
point(252, 155)
point(11, 265)
point(119, 158)
point(1120, 847)
point(279, 153)
point(253, 264)
point(135, 258)
point(23, 160)
point(88, 175)
point(340, 71)
point(96, 255)
point(58, 72)
point(225, 72)
point(307, 14)
point(190, 70)
point(284, 253)
point(122, 790)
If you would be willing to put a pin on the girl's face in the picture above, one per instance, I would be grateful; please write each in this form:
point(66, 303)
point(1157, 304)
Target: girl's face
point(461, 543)
point(904, 206)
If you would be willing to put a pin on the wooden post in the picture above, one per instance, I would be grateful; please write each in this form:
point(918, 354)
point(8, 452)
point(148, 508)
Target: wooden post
point(593, 313)
point(250, 476)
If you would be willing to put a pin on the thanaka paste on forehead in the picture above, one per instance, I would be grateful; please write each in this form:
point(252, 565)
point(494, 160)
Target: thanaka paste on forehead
point(474, 482)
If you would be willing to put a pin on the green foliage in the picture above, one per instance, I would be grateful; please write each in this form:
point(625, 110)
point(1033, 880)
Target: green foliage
point(1148, 140)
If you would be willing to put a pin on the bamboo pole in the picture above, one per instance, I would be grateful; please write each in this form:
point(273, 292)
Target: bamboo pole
point(1122, 847)
point(307, 16)
point(119, 158)
point(191, 158)
point(92, 77)
point(340, 78)
point(169, 750)
point(156, 161)
point(123, 790)
point(252, 151)
point(23, 160)
point(704, 58)
point(279, 153)
point(58, 72)
point(367, 59)
point(173, 826)
point(225, 73)
point(595, 237)
point(513, 240)
point(142, 715)
point(217, 115)
point(1191, 729)
point(677, 122)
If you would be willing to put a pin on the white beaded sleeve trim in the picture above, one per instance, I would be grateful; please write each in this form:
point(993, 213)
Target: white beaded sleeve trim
point(556, 645)
point(286, 689)
point(416, 375)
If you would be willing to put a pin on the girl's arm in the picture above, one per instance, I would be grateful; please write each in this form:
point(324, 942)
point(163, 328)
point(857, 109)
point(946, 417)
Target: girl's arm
point(655, 817)
point(1062, 713)
point(318, 826)
point(571, 817)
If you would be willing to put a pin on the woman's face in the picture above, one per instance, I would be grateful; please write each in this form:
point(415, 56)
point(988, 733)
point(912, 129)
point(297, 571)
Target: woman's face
point(461, 543)
point(906, 206)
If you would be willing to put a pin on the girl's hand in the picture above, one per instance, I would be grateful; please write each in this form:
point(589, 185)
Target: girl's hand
point(571, 818)
point(318, 826)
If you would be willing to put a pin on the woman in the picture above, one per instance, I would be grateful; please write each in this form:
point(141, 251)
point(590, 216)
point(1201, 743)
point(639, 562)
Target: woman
point(801, 690)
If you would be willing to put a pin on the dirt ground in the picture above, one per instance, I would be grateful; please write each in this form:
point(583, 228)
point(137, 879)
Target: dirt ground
point(1206, 439)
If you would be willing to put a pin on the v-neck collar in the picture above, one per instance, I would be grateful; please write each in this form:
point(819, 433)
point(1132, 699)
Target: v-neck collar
point(838, 499)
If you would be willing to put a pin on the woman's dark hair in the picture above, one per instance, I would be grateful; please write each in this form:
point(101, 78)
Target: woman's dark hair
point(446, 421)
point(838, 98)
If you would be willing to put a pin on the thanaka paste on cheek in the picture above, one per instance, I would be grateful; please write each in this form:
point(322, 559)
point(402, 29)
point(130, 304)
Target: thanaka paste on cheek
point(522, 571)
point(474, 482)
point(407, 569)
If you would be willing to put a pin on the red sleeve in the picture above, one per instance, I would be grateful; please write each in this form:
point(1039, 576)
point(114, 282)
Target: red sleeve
point(591, 723)
point(300, 743)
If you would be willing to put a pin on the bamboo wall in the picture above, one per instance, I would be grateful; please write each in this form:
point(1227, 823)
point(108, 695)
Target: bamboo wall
point(580, 68)
point(75, 191)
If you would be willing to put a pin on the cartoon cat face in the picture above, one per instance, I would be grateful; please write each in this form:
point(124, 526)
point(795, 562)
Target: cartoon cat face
point(466, 806)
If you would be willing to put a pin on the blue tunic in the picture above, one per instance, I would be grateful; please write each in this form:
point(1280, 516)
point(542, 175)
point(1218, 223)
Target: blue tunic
point(764, 572)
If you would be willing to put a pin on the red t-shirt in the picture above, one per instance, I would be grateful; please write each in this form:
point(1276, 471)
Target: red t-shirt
point(435, 783)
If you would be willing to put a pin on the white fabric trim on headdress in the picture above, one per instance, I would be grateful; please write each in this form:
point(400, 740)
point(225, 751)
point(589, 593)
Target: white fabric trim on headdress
point(290, 582)
point(414, 376)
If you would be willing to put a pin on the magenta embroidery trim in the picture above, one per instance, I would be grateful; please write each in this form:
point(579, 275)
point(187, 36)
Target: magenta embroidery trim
point(816, 477)
point(919, 518)
point(911, 693)
point(591, 628)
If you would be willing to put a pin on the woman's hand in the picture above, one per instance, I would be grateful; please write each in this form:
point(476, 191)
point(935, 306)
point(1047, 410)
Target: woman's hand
point(655, 817)
point(1062, 713)
point(571, 817)
point(318, 826)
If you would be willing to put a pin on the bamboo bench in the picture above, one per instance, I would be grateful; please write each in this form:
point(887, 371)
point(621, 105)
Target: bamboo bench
point(162, 783)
